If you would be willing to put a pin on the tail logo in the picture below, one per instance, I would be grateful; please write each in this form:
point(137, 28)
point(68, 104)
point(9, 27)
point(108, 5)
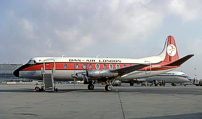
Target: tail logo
point(171, 50)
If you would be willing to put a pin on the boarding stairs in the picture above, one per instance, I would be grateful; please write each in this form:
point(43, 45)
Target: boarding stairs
point(48, 81)
point(48, 77)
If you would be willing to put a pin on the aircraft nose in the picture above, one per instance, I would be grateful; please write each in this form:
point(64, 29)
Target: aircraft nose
point(16, 72)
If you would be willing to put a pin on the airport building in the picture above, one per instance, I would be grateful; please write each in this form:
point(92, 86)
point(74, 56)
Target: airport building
point(6, 72)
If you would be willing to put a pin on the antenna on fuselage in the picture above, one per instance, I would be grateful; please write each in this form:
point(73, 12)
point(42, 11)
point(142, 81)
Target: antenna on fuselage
point(97, 56)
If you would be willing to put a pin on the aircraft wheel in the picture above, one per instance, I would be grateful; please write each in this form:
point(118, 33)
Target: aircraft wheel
point(37, 89)
point(108, 88)
point(131, 84)
point(90, 87)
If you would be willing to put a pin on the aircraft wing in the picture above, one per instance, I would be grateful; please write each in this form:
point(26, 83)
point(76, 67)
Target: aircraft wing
point(128, 69)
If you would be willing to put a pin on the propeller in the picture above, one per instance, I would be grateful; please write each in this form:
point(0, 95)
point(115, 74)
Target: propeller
point(74, 77)
point(79, 75)
point(74, 82)
point(85, 77)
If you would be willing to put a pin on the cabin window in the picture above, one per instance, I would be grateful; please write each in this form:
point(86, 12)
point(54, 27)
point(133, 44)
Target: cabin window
point(117, 66)
point(110, 66)
point(65, 66)
point(76, 66)
point(97, 66)
point(104, 66)
point(124, 65)
point(90, 66)
point(84, 66)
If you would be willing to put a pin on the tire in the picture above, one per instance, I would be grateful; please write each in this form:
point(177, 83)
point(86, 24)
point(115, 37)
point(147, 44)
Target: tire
point(108, 88)
point(90, 87)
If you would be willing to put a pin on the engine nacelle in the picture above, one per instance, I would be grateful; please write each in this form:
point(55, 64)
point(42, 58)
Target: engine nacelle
point(100, 74)
point(80, 75)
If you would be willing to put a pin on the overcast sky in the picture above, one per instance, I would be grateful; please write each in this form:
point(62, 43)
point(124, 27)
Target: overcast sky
point(108, 28)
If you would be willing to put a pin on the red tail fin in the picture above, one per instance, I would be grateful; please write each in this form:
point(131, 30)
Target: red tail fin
point(170, 53)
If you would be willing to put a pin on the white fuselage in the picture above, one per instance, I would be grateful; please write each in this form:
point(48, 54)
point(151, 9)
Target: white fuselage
point(66, 66)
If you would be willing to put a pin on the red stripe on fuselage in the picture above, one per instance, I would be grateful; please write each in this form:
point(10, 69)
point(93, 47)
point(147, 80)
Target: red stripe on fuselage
point(71, 66)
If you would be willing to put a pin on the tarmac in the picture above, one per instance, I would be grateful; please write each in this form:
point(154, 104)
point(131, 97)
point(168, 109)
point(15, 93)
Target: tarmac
point(21, 102)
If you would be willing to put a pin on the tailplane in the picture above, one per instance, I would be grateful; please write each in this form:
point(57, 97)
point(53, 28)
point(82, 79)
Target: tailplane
point(180, 61)
point(169, 53)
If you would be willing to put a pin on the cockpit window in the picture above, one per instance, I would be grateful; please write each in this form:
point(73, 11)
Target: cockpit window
point(32, 62)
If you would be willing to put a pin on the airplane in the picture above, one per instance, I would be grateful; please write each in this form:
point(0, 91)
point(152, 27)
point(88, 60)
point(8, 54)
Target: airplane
point(103, 69)
point(168, 77)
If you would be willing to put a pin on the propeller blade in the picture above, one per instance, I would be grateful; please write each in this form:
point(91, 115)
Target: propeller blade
point(86, 78)
point(83, 78)
point(74, 82)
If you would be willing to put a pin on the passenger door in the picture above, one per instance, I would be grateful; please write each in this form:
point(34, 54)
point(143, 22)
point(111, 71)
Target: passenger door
point(148, 68)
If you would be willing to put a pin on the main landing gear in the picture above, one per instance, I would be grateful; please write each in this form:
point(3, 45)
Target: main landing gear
point(108, 87)
point(90, 85)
